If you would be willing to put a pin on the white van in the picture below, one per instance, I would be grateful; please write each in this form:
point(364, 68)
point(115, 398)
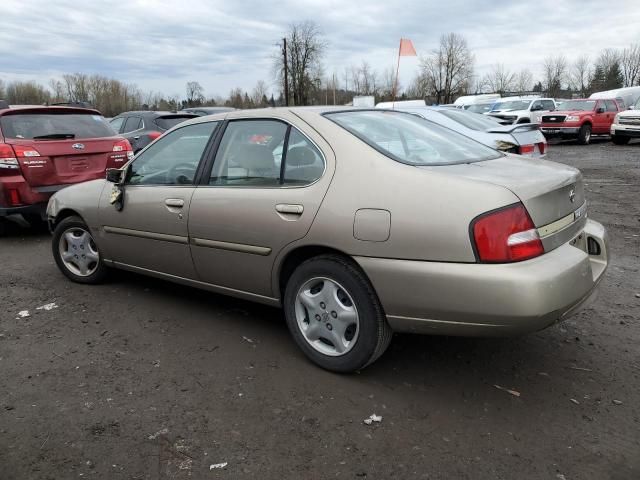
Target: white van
point(625, 97)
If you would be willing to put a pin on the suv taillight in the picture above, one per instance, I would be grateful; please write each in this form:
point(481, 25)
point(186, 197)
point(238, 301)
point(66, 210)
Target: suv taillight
point(506, 235)
point(8, 160)
point(122, 152)
point(154, 135)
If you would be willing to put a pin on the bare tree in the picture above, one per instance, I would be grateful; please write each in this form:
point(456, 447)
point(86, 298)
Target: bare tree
point(500, 80)
point(524, 80)
point(195, 94)
point(555, 72)
point(448, 70)
point(580, 75)
point(305, 49)
point(2, 94)
point(259, 94)
point(630, 63)
point(26, 93)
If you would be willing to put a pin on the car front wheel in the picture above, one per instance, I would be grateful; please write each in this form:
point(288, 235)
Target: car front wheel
point(584, 134)
point(334, 314)
point(76, 253)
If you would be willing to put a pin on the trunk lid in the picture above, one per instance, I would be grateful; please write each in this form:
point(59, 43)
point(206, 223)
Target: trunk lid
point(60, 163)
point(549, 191)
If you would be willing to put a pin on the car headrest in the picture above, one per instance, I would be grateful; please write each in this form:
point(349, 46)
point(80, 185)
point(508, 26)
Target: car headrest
point(300, 157)
point(254, 157)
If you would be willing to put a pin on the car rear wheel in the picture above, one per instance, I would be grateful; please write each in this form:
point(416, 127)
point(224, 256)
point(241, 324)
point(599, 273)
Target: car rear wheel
point(618, 140)
point(584, 134)
point(334, 314)
point(76, 253)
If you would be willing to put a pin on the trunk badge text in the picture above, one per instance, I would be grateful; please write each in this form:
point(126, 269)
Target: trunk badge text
point(78, 146)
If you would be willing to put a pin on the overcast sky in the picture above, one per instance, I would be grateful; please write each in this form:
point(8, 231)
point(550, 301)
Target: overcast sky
point(162, 44)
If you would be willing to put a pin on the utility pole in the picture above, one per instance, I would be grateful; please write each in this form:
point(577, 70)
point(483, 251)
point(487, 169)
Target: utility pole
point(286, 73)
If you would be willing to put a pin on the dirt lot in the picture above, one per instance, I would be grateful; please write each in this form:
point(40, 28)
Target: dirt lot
point(142, 379)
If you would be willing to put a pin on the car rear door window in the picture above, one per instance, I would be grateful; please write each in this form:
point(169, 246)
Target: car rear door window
point(172, 159)
point(54, 126)
point(610, 106)
point(132, 124)
point(548, 105)
point(249, 154)
point(116, 123)
point(303, 163)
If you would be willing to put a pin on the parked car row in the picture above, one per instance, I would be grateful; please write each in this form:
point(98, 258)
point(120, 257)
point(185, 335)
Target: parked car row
point(357, 222)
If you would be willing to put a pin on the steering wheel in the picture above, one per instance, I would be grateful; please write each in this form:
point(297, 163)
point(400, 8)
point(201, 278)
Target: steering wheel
point(182, 173)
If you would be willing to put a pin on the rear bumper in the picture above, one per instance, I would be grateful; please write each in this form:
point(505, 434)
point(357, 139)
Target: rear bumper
point(625, 131)
point(488, 300)
point(36, 209)
point(31, 200)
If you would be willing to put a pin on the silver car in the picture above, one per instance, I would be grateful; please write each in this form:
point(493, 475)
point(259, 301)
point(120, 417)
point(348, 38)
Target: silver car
point(522, 139)
point(358, 223)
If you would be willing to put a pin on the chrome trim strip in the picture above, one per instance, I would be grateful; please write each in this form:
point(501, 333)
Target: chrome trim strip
point(400, 318)
point(560, 224)
point(149, 235)
point(233, 247)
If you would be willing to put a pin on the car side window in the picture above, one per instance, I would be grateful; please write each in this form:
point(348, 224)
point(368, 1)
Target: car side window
point(172, 159)
point(249, 154)
point(304, 163)
point(116, 123)
point(611, 106)
point(132, 123)
point(537, 105)
point(548, 105)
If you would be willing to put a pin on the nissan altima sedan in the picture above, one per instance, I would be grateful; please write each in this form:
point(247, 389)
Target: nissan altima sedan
point(358, 223)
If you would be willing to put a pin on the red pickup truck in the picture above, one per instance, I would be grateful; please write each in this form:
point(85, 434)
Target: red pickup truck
point(580, 119)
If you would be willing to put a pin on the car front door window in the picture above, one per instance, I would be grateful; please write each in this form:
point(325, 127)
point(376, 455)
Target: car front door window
point(132, 123)
point(172, 159)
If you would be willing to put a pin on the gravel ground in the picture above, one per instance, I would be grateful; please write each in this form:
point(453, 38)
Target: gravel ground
point(142, 379)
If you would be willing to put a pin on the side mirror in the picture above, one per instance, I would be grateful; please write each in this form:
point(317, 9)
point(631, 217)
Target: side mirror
point(115, 175)
point(600, 110)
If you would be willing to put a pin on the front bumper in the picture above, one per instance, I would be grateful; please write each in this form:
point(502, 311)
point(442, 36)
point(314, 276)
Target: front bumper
point(550, 131)
point(489, 300)
point(620, 130)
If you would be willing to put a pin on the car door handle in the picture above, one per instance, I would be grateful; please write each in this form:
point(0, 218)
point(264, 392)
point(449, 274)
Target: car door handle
point(174, 202)
point(137, 137)
point(290, 209)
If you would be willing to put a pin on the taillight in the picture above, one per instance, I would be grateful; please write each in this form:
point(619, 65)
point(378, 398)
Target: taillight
point(8, 161)
point(25, 151)
point(527, 149)
point(506, 235)
point(542, 146)
point(154, 135)
point(122, 151)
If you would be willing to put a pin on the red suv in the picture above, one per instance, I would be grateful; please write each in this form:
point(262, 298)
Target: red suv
point(44, 149)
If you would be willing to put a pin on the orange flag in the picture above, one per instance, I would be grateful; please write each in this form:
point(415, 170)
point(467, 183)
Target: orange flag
point(406, 48)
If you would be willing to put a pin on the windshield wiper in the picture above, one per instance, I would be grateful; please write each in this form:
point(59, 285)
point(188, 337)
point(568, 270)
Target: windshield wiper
point(55, 136)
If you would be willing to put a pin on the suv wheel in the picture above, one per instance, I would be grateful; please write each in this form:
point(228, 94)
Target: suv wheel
point(334, 314)
point(618, 140)
point(584, 134)
point(76, 253)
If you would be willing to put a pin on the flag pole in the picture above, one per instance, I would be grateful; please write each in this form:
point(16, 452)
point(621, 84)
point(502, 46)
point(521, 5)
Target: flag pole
point(395, 81)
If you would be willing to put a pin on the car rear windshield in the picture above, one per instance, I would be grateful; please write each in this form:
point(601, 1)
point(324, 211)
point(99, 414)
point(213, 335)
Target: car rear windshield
point(168, 122)
point(580, 105)
point(410, 139)
point(55, 126)
point(471, 120)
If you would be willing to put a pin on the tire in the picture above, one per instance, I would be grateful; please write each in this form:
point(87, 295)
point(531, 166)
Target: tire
point(347, 295)
point(36, 222)
point(584, 134)
point(4, 226)
point(87, 267)
point(618, 140)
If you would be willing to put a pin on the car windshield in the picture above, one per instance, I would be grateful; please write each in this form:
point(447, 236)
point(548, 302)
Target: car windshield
point(471, 120)
point(581, 105)
point(479, 107)
point(512, 105)
point(407, 138)
point(55, 126)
